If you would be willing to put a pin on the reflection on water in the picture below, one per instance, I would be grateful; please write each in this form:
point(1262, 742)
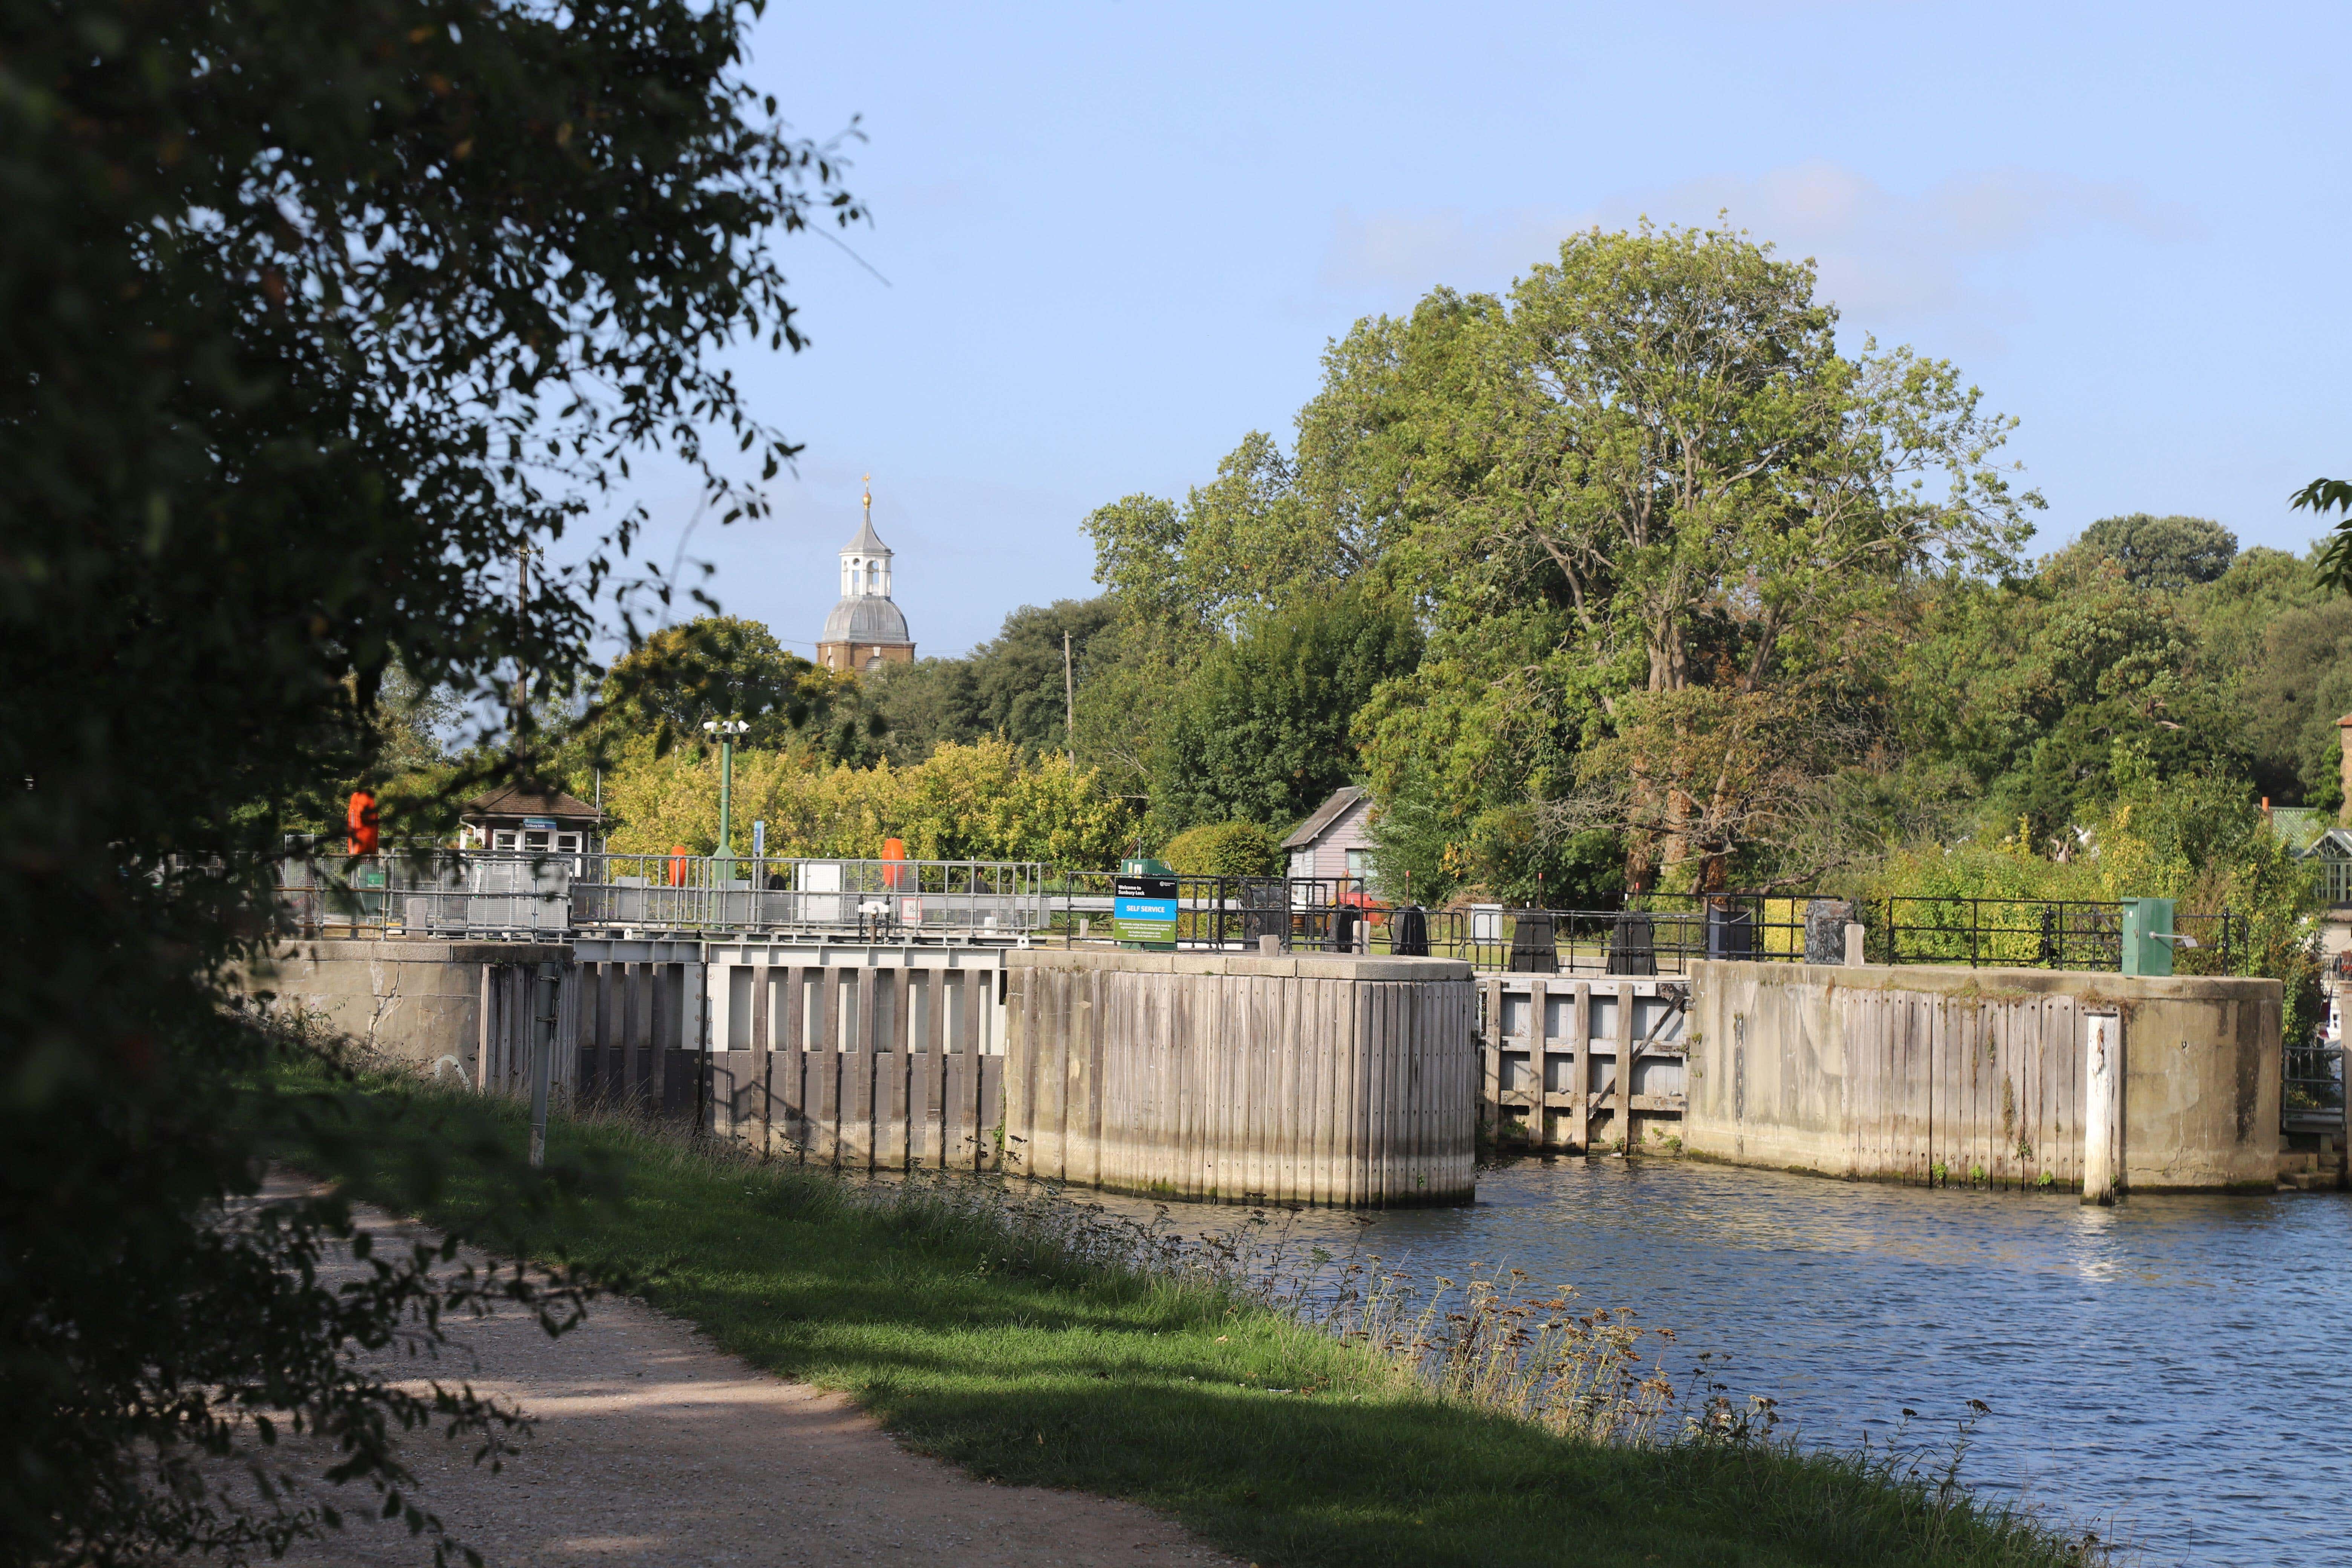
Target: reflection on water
point(2177, 1367)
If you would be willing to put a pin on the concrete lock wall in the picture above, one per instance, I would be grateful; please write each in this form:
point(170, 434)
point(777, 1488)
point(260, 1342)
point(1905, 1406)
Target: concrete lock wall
point(1336, 1080)
point(456, 1008)
point(1958, 1075)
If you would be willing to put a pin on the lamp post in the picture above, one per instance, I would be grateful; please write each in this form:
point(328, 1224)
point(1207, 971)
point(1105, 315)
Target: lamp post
point(725, 730)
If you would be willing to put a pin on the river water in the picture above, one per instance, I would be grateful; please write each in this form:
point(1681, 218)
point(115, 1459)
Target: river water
point(2174, 1372)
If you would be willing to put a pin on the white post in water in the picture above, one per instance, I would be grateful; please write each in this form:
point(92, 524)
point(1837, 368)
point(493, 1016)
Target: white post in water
point(2102, 1106)
point(543, 1059)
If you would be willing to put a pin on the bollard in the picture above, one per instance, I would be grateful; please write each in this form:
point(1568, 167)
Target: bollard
point(1270, 945)
point(1856, 933)
point(543, 1059)
point(2102, 1106)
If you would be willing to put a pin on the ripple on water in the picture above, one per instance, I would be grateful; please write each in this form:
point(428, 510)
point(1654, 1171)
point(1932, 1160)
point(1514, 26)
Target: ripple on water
point(2177, 1369)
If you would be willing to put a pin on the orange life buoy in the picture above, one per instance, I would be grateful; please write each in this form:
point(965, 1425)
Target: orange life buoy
point(360, 819)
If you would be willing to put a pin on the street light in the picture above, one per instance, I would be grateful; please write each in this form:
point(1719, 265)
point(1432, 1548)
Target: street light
point(725, 730)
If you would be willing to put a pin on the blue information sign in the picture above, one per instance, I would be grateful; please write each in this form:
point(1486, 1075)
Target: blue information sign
point(1143, 909)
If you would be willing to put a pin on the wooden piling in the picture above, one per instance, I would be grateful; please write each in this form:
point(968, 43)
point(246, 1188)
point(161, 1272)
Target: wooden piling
point(2103, 1080)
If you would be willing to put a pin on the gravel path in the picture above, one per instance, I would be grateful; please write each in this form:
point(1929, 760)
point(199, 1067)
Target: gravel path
point(650, 1446)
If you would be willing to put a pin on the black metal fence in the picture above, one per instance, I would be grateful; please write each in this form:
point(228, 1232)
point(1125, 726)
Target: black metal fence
point(1650, 934)
point(2035, 933)
point(2312, 1099)
point(1315, 914)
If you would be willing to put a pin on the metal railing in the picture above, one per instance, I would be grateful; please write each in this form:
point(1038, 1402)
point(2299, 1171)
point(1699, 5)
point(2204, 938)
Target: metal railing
point(2035, 933)
point(877, 898)
point(438, 892)
point(2313, 1097)
point(1319, 914)
point(1650, 934)
point(429, 892)
point(511, 894)
point(1657, 934)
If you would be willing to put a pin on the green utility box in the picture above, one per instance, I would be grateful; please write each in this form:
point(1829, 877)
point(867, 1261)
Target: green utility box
point(1143, 905)
point(2147, 936)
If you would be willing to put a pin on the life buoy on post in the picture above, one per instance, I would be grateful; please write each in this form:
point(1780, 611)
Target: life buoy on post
point(677, 865)
point(362, 822)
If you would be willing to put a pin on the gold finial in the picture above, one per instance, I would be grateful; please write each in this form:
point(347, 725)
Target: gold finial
point(869, 498)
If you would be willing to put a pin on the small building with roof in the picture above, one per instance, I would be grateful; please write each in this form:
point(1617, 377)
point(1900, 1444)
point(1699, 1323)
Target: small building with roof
point(529, 818)
point(1337, 840)
point(865, 629)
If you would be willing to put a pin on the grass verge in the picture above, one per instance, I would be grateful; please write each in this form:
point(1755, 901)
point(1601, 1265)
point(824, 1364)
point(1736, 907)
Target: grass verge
point(1006, 1341)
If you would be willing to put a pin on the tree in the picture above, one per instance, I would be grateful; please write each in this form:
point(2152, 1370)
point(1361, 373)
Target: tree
point(1262, 733)
point(1017, 678)
point(723, 666)
point(2334, 562)
point(2031, 683)
point(1249, 540)
point(2164, 552)
point(928, 703)
point(1135, 671)
point(1654, 443)
point(2289, 700)
point(1013, 685)
point(316, 320)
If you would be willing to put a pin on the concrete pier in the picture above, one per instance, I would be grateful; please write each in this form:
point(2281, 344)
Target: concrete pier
point(1980, 1075)
point(1339, 1080)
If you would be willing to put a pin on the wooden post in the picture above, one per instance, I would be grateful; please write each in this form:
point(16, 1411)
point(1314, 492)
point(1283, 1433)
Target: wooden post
point(1492, 1089)
point(2102, 1106)
point(1538, 1067)
point(1580, 1102)
point(488, 1013)
point(793, 1045)
point(1625, 1125)
point(935, 1012)
point(762, 979)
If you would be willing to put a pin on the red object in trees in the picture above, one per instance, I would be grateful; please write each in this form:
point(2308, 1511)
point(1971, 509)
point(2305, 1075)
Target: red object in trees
point(677, 865)
point(361, 821)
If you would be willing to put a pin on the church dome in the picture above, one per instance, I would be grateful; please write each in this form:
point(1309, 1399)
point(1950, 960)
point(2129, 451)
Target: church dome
point(865, 619)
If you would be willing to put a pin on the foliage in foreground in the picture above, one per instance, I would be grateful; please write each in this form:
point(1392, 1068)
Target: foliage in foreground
point(319, 320)
point(1035, 1342)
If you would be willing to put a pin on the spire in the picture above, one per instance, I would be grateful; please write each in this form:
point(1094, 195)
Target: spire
point(867, 542)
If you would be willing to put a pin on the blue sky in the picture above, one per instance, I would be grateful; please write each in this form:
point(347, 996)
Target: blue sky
point(1117, 237)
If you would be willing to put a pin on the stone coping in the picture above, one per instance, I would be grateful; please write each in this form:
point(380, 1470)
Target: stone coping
point(1286, 966)
point(1956, 980)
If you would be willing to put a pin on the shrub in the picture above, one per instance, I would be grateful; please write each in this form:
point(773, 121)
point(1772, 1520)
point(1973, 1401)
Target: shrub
point(1225, 849)
point(986, 801)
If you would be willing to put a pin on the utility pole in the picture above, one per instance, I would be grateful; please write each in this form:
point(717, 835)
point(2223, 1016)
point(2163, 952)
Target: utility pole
point(1069, 704)
point(522, 673)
